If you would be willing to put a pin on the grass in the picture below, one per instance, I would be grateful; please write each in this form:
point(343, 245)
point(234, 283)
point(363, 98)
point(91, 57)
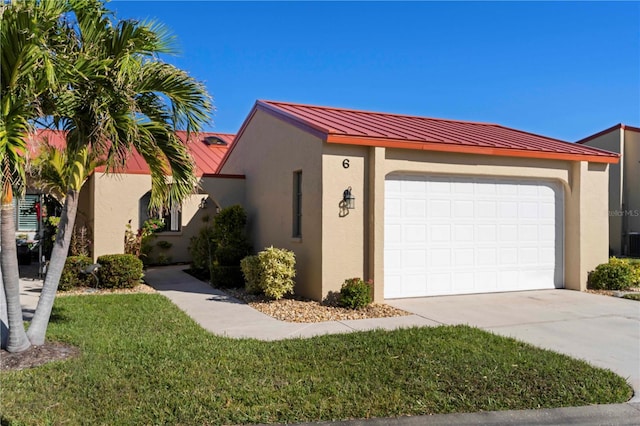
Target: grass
point(145, 362)
point(632, 296)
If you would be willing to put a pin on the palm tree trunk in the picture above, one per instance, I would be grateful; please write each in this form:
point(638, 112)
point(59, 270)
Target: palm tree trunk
point(17, 340)
point(4, 321)
point(38, 328)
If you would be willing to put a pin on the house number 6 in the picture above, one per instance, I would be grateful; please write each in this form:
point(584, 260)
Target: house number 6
point(345, 163)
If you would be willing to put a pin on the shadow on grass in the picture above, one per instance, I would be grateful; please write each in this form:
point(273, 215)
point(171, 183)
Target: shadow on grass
point(58, 315)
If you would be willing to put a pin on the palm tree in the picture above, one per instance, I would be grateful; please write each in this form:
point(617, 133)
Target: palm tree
point(28, 30)
point(118, 95)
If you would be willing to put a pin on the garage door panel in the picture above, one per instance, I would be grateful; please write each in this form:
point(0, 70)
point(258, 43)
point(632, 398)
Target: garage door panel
point(455, 235)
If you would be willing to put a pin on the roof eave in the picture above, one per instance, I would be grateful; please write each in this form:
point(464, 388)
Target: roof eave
point(466, 149)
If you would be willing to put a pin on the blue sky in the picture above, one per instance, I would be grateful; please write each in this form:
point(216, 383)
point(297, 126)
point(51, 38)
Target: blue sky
point(561, 69)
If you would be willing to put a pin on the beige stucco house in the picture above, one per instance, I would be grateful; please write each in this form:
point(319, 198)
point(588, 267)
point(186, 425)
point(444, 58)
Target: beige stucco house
point(108, 201)
point(624, 187)
point(439, 206)
point(421, 206)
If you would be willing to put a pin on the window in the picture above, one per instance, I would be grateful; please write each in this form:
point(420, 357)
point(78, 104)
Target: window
point(26, 213)
point(172, 218)
point(297, 204)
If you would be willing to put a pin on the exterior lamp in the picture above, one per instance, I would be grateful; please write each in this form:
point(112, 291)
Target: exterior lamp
point(203, 203)
point(348, 199)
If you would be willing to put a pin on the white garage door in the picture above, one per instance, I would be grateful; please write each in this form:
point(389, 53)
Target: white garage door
point(457, 235)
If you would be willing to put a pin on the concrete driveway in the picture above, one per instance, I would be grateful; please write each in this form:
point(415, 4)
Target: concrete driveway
point(604, 331)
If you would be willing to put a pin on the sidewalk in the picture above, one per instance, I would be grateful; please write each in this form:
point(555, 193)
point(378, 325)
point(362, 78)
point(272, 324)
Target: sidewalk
point(226, 316)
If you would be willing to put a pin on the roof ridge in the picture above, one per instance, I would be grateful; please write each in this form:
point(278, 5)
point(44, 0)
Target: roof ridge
point(276, 103)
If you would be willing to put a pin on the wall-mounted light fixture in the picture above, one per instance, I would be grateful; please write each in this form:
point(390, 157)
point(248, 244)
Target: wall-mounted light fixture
point(203, 203)
point(348, 199)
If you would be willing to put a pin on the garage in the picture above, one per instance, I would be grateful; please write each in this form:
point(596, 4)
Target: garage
point(446, 235)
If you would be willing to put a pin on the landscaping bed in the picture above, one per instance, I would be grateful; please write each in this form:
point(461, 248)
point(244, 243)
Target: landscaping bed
point(83, 291)
point(297, 309)
point(143, 361)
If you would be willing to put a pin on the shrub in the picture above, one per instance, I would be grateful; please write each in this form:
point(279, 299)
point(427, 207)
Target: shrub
point(135, 240)
point(226, 276)
point(251, 270)
point(618, 274)
point(635, 267)
point(202, 246)
point(81, 242)
point(355, 294)
point(229, 247)
point(271, 272)
point(72, 275)
point(119, 271)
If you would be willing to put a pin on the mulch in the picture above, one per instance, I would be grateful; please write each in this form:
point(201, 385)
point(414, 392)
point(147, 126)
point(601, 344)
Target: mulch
point(36, 356)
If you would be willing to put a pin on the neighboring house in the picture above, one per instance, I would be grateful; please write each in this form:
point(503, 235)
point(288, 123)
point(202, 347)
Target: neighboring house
point(624, 187)
point(441, 206)
point(108, 201)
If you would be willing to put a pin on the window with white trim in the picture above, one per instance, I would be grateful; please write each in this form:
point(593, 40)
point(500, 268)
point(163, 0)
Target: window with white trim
point(172, 218)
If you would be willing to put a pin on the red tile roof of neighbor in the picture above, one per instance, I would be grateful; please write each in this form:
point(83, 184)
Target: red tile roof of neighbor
point(352, 127)
point(610, 129)
point(207, 156)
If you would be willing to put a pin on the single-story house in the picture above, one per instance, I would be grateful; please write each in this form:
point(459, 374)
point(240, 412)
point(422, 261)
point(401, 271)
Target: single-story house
point(420, 206)
point(441, 206)
point(108, 201)
point(624, 187)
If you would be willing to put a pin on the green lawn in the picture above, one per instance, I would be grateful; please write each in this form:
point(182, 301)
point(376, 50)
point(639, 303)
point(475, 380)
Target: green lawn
point(144, 362)
point(632, 296)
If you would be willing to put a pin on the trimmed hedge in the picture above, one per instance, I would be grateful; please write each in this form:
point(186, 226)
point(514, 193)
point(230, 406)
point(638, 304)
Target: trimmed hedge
point(270, 272)
point(355, 294)
point(119, 271)
point(618, 274)
point(72, 275)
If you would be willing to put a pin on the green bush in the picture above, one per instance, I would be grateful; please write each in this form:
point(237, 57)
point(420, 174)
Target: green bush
point(251, 270)
point(230, 246)
point(226, 276)
point(271, 272)
point(618, 274)
point(202, 246)
point(355, 294)
point(635, 266)
point(119, 271)
point(72, 275)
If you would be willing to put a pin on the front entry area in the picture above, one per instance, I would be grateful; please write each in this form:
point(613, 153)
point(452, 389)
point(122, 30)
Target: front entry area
point(446, 235)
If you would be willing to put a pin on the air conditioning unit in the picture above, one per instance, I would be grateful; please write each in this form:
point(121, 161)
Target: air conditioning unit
point(634, 244)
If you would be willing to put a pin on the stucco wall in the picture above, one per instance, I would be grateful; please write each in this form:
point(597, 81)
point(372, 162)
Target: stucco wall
point(586, 215)
point(612, 141)
point(268, 152)
point(354, 245)
point(631, 180)
point(116, 200)
point(344, 239)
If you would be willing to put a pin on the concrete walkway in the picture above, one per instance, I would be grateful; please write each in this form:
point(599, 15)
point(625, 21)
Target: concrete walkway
point(603, 331)
point(226, 316)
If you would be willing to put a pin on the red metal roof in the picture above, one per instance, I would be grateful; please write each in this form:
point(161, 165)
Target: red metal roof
point(207, 156)
point(346, 126)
